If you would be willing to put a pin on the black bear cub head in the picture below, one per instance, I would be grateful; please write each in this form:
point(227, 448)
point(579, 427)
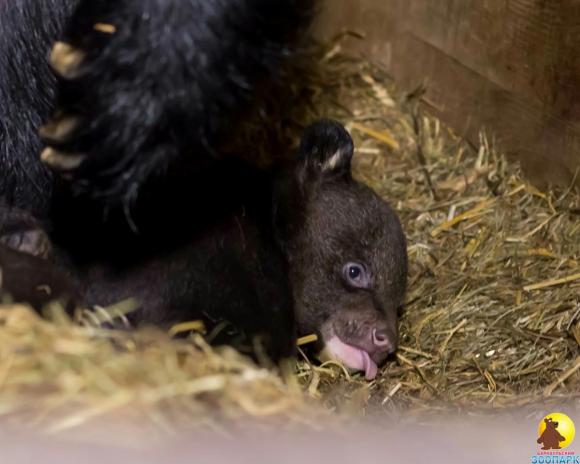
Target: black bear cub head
point(348, 257)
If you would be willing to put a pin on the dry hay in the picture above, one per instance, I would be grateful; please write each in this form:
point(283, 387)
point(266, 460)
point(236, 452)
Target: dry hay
point(493, 312)
point(58, 374)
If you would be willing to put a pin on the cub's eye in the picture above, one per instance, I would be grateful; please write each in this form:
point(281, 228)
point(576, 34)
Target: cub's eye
point(354, 272)
point(356, 275)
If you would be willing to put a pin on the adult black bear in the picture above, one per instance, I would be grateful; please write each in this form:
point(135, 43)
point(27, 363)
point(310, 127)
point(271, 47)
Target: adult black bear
point(305, 249)
point(142, 85)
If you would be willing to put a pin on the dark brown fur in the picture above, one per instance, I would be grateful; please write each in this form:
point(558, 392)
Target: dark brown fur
point(270, 260)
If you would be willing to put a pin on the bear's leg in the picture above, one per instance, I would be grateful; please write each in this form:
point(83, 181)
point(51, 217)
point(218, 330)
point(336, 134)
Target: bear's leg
point(234, 275)
point(27, 30)
point(145, 81)
point(265, 305)
point(273, 317)
point(27, 271)
point(35, 281)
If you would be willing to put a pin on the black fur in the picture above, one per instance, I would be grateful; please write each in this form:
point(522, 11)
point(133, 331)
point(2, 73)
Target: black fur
point(147, 90)
point(27, 88)
point(149, 103)
point(35, 281)
point(219, 264)
point(267, 257)
point(168, 83)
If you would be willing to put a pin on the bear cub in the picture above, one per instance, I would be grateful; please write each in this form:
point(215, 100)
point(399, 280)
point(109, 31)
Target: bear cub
point(300, 250)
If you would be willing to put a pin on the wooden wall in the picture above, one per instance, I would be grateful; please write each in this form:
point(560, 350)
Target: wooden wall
point(511, 66)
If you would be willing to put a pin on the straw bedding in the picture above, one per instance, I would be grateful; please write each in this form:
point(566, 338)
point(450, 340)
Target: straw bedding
point(492, 318)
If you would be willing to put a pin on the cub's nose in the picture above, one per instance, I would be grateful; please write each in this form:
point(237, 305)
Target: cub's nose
point(382, 341)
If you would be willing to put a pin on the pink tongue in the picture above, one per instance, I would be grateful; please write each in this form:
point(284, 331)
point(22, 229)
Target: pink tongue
point(369, 366)
point(352, 357)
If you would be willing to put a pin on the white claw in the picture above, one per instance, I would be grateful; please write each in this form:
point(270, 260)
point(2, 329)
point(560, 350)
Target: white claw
point(59, 129)
point(57, 160)
point(66, 59)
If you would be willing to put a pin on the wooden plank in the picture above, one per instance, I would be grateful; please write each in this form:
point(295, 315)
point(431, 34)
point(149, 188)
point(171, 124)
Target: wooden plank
point(509, 65)
point(547, 146)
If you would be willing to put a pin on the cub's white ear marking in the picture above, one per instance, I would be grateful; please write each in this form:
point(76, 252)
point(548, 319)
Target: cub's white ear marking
point(332, 162)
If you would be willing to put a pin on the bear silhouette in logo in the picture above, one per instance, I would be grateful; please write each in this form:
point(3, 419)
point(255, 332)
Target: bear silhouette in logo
point(550, 438)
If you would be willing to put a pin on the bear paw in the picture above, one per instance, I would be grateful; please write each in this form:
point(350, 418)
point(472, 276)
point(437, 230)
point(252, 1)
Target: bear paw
point(110, 130)
point(21, 232)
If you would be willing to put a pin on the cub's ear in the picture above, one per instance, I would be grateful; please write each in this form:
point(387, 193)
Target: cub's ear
point(326, 151)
